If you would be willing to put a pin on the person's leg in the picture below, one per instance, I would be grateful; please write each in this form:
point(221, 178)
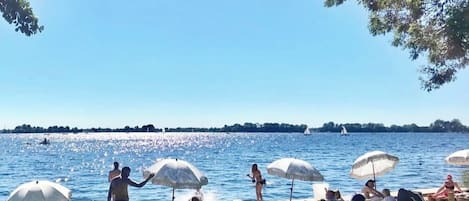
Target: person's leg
point(259, 191)
point(257, 194)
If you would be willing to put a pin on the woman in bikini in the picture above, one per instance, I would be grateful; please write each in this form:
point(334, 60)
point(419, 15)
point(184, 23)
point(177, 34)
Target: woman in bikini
point(448, 186)
point(257, 177)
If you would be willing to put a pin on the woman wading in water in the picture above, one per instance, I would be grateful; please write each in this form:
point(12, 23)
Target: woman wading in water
point(257, 178)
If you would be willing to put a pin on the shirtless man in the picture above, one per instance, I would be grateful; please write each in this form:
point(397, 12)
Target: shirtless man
point(118, 187)
point(115, 172)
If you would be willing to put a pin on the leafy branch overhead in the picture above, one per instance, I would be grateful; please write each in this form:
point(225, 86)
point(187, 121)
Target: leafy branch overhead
point(19, 13)
point(436, 29)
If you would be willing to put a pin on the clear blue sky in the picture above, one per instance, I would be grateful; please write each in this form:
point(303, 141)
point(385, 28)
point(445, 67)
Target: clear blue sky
point(209, 63)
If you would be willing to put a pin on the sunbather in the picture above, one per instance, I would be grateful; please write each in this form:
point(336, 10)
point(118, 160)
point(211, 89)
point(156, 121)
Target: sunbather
point(370, 192)
point(448, 187)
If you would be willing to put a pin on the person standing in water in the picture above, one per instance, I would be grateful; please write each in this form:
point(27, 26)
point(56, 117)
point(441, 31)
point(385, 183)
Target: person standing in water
point(257, 178)
point(118, 188)
point(115, 172)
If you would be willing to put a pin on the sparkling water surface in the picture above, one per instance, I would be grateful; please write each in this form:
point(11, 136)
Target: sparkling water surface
point(81, 162)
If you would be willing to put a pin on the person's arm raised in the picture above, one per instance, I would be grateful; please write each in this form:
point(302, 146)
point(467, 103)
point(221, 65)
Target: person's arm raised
point(132, 183)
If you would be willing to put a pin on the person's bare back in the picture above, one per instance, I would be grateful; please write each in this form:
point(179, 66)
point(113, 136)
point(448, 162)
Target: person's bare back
point(115, 172)
point(118, 187)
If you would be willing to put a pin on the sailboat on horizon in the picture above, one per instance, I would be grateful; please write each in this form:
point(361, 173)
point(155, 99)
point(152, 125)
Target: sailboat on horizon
point(343, 132)
point(307, 131)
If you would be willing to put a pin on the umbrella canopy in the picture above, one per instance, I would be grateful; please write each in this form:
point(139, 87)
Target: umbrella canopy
point(40, 191)
point(177, 174)
point(291, 168)
point(372, 164)
point(460, 157)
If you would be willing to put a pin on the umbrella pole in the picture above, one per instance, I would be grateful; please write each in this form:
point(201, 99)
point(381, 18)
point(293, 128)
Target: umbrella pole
point(374, 176)
point(173, 194)
point(291, 189)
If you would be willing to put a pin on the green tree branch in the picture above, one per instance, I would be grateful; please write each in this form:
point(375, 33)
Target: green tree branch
point(19, 13)
point(437, 29)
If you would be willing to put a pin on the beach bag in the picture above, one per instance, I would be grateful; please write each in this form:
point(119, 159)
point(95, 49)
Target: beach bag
point(406, 195)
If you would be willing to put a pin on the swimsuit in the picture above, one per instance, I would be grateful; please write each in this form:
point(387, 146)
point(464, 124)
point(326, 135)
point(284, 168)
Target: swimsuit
point(450, 187)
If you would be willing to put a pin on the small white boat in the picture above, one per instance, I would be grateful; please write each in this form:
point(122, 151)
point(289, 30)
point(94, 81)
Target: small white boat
point(343, 132)
point(307, 131)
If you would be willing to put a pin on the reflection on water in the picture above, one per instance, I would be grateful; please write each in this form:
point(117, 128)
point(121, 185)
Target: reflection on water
point(81, 161)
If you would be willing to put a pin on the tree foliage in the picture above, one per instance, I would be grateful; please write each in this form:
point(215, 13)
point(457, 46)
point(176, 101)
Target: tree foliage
point(438, 126)
point(437, 29)
point(20, 13)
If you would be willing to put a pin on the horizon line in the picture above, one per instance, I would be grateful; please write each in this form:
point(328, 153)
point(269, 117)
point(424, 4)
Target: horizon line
point(202, 127)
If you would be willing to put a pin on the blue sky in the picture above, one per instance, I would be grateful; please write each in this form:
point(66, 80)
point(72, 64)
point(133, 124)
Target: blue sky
point(209, 63)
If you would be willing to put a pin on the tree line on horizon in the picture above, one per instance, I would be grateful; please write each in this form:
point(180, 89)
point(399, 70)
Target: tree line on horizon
point(437, 126)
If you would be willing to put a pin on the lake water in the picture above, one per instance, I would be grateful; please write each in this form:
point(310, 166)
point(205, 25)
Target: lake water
point(81, 161)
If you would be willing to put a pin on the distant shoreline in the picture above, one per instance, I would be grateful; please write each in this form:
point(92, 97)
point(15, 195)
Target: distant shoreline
point(213, 132)
point(439, 126)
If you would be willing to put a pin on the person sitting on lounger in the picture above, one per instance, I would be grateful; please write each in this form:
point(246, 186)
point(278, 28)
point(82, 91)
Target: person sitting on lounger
point(370, 192)
point(447, 187)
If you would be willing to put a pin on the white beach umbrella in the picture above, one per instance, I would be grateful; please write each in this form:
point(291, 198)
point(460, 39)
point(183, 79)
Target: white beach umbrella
point(177, 174)
point(291, 168)
point(460, 157)
point(40, 191)
point(374, 163)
